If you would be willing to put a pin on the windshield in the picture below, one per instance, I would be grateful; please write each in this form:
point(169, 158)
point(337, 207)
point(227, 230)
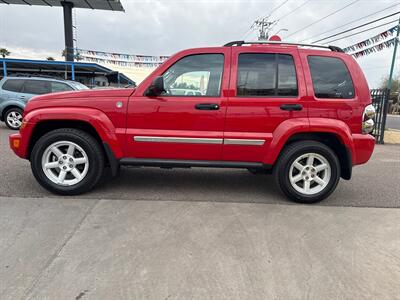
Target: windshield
point(79, 86)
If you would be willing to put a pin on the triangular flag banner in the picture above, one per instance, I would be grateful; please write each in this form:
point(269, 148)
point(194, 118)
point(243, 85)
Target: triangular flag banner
point(375, 39)
point(125, 60)
point(376, 48)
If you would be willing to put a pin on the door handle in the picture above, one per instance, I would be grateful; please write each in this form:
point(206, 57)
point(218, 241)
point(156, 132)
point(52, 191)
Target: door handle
point(207, 106)
point(291, 107)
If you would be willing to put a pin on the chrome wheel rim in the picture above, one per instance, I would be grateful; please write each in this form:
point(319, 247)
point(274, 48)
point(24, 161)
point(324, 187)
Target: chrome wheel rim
point(14, 119)
point(310, 173)
point(65, 163)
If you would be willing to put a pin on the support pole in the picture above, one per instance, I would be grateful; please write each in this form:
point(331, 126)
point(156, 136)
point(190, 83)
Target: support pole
point(390, 81)
point(68, 31)
point(73, 71)
point(4, 69)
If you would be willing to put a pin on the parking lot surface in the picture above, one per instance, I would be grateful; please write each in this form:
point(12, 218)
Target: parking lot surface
point(199, 234)
point(376, 184)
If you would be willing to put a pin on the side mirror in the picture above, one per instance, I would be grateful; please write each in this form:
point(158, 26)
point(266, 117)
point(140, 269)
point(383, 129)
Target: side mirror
point(156, 88)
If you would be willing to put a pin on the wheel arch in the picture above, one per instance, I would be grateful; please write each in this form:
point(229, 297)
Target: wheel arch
point(333, 141)
point(7, 107)
point(90, 120)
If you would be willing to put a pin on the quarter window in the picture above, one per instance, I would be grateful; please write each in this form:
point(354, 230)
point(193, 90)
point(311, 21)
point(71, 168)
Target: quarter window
point(195, 76)
point(331, 78)
point(13, 85)
point(59, 87)
point(266, 74)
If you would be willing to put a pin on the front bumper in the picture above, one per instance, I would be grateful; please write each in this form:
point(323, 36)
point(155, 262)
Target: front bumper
point(16, 145)
point(364, 145)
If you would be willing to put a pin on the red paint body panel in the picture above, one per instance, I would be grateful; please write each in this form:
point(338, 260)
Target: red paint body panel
point(176, 116)
point(254, 118)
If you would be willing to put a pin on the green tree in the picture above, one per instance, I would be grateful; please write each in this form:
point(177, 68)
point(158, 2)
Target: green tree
point(4, 52)
point(50, 58)
point(395, 84)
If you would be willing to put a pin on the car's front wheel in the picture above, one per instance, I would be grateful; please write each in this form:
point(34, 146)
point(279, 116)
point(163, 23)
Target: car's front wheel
point(13, 118)
point(307, 171)
point(67, 161)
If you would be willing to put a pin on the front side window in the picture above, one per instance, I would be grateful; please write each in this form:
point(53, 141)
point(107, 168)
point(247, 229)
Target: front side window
point(59, 87)
point(36, 87)
point(13, 85)
point(195, 76)
point(331, 78)
point(266, 74)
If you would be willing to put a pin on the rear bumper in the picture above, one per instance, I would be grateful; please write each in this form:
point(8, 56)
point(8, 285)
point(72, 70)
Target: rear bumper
point(364, 145)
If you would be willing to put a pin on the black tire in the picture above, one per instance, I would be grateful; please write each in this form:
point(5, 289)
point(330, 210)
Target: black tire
point(8, 112)
point(87, 143)
point(294, 151)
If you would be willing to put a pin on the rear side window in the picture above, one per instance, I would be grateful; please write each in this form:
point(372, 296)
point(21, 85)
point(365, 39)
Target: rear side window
point(13, 85)
point(331, 78)
point(36, 87)
point(60, 87)
point(266, 74)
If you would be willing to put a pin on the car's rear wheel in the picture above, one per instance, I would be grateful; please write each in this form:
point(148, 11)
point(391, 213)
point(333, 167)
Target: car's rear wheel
point(13, 118)
point(67, 161)
point(307, 171)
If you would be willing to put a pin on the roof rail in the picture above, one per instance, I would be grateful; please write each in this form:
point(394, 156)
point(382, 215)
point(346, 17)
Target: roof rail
point(240, 43)
point(28, 75)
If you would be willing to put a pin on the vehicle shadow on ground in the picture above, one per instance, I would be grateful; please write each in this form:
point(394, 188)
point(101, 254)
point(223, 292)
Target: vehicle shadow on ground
point(197, 184)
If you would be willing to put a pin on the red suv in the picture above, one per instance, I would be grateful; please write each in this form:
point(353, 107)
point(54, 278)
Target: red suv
point(301, 112)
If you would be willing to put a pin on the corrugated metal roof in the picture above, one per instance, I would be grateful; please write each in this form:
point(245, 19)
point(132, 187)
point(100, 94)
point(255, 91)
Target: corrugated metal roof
point(115, 5)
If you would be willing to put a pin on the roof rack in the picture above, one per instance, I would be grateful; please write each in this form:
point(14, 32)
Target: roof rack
point(28, 75)
point(240, 43)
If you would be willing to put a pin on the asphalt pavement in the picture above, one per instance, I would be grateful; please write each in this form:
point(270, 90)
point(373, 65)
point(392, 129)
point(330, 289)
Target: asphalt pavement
point(393, 122)
point(199, 234)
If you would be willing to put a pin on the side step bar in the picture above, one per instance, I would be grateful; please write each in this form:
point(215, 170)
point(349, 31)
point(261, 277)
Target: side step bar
point(173, 163)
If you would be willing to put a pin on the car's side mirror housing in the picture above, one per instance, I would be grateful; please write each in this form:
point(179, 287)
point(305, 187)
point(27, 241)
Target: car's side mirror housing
point(156, 88)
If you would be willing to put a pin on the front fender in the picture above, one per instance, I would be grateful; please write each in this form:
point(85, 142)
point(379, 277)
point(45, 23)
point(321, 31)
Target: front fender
point(94, 117)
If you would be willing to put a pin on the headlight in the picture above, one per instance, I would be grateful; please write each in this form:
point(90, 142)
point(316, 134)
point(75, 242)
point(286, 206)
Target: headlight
point(368, 119)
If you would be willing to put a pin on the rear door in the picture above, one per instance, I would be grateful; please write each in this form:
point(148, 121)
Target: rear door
point(33, 87)
point(268, 89)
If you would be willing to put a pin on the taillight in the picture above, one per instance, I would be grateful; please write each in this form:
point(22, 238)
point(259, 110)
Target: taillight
point(368, 119)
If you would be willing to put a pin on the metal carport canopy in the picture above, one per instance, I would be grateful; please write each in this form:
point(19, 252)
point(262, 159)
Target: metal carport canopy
point(91, 4)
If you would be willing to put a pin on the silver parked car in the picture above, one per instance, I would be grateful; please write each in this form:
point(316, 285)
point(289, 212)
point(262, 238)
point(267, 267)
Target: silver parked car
point(15, 92)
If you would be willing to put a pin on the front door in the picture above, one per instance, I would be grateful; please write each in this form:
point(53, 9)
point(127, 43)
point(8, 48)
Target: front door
point(269, 89)
point(186, 121)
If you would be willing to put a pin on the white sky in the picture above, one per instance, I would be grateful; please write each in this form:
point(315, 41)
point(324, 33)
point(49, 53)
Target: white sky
point(164, 27)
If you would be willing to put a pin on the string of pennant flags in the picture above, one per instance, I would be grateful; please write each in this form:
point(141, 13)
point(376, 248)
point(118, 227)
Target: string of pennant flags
point(126, 60)
point(375, 39)
point(376, 48)
point(352, 50)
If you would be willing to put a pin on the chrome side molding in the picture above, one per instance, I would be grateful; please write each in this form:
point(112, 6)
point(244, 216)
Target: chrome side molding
point(161, 139)
point(185, 140)
point(250, 142)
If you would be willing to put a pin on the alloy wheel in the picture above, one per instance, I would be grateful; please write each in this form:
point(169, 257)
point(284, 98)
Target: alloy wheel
point(65, 163)
point(14, 119)
point(310, 173)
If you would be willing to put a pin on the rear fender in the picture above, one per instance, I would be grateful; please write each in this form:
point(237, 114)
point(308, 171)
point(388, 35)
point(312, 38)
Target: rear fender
point(281, 134)
point(291, 127)
point(98, 119)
